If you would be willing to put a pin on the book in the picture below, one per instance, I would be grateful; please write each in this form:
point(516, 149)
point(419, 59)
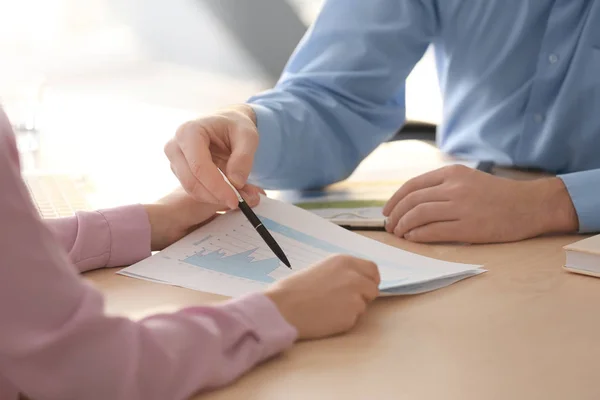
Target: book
point(583, 256)
point(355, 214)
point(352, 206)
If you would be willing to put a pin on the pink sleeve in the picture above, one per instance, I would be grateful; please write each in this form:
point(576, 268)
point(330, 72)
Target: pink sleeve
point(56, 342)
point(106, 238)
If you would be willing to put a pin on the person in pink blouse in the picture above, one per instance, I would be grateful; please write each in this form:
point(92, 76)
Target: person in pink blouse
point(57, 343)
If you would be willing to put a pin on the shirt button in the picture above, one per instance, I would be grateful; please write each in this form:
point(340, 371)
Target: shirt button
point(539, 118)
point(553, 58)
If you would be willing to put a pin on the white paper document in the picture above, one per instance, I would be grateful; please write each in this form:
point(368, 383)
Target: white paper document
point(356, 217)
point(228, 257)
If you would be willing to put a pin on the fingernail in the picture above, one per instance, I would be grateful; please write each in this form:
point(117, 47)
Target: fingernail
point(387, 226)
point(232, 204)
point(250, 198)
point(408, 235)
point(237, 180)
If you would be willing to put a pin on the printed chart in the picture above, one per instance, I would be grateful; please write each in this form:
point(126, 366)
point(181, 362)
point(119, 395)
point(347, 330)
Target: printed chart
point(227, 256)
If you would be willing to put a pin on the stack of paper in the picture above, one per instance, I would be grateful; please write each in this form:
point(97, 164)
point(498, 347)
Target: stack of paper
point(228, 257)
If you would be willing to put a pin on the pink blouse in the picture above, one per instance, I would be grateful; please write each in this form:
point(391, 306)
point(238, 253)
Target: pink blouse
point(57, 343)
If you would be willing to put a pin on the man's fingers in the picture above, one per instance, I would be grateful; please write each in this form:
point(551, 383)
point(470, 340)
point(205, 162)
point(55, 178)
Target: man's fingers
point(436, 232)
point(194, 142)
point(426, 180)
point(410, 201)
point(188, 181)
point(243, 147)
point(424, 214)
point(251, 194)
point(251, 197)
point(253, 189)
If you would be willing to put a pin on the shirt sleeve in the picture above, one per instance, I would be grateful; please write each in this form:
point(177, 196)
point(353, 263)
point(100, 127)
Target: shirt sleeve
point(105, 238)
point(584, 189)
point(56, 342)
point(341, 93)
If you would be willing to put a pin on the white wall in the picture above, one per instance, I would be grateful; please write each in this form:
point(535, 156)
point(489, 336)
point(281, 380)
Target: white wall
point(154, 49)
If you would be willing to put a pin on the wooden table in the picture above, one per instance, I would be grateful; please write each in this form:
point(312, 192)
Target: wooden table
point(525, 329)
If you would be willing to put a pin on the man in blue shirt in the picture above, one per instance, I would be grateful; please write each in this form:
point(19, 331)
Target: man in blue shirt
point(521, 87)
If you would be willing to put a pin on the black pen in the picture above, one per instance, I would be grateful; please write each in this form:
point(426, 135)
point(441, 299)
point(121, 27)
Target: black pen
point(258, 225)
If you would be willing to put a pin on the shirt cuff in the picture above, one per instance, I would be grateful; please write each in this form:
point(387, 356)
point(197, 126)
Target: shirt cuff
point(584, 189)
point(264, 316)
point(266, 158)
point(129, 234)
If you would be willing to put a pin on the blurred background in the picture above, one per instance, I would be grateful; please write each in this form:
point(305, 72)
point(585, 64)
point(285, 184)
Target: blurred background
point(93, 82)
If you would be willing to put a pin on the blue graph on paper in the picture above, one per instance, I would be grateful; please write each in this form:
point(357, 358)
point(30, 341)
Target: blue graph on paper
point(244, 265)
point(239, 264)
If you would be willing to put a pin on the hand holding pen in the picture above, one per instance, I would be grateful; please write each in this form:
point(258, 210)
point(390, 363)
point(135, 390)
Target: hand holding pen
point(258, 225)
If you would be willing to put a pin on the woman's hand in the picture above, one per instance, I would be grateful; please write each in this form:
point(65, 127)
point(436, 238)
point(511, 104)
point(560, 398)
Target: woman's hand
point(178, 214)
point(328, 298)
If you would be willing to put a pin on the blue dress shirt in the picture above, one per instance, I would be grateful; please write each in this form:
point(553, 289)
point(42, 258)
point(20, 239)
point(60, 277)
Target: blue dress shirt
point(520, 81)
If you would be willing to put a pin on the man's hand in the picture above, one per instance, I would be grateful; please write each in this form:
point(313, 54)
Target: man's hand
point(226, 140)
point(460, 204)
point(329, 297)
point(177, 214)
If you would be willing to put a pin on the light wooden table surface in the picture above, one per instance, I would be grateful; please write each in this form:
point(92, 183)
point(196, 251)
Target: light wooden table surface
point(524, 330)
